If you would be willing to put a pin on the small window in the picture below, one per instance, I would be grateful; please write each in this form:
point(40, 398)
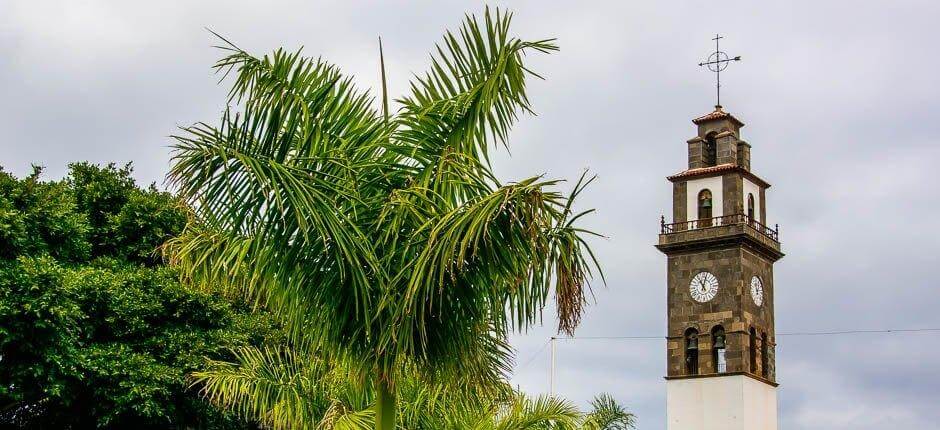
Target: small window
point(750, 208)
point(710, 151)
point(718, 349)
point(705, 208)
point(691, 352)
point(764, 357)
point(752, 350)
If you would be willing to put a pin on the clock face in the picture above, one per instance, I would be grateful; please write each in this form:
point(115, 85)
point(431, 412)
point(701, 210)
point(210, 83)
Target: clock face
point(757, 291)
point(703, 287)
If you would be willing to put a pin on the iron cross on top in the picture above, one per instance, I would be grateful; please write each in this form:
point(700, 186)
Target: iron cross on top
point(717, 62)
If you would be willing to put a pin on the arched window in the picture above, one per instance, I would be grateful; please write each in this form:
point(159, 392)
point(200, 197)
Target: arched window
point(752, 350)
point(705, 208)
point(710, 151)
point(718, 349)
point(691, 351)
point(750, 208)
point(764, 358)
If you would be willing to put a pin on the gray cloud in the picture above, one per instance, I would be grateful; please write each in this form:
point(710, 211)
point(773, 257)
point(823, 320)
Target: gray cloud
point(841, 100)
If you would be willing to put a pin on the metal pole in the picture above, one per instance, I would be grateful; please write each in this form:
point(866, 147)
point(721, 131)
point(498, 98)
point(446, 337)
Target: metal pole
point(718, 74)
point(551, 370)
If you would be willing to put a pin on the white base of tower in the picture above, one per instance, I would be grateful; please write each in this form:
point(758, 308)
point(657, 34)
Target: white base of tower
point(732, 402)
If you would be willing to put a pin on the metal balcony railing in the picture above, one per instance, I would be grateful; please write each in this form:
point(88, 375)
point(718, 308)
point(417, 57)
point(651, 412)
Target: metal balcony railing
point(718, 221)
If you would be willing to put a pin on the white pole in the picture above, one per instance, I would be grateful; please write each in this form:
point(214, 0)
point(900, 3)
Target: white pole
point(551, 370)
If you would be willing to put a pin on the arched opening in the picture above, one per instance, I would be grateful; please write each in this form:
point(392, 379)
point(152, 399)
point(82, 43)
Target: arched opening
point(752, 350)
point(705, 208)
point(750, 208)
point(764, 358)
point(710, 152)
point(691, 351)
point(718, 349)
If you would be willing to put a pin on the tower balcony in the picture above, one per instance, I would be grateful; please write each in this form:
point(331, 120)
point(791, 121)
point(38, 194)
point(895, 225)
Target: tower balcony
point(734, 228)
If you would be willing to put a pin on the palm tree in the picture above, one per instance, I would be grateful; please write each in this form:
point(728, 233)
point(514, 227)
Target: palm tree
point(281, 389)
point(382, 239)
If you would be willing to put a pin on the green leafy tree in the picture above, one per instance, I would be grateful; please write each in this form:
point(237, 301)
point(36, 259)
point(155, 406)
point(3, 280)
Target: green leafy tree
point(94, 332)
point(383, 239)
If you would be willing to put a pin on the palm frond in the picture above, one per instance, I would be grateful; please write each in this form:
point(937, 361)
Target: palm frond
point(296, 284)
point(270, 386)
point(340, 417)
point(471, 96)
point(275, 190)
point(542, 412)
point(500, 253)
point(607, 414)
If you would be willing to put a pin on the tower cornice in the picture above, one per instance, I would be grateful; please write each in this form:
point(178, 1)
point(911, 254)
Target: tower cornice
point(719, 237)
point(719, 375)
point(721, 169)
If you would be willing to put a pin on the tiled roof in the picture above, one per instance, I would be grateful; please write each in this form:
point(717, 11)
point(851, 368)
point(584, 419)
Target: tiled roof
point(703, 171)
point(716, 114)
point(721, 168)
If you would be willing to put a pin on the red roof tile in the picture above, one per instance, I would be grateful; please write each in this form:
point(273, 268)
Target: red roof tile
point(712, 170)
point(703, 171)
point(716, 114)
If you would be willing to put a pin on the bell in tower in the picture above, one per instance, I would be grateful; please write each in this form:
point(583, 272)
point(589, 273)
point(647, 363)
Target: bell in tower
point(717, 142)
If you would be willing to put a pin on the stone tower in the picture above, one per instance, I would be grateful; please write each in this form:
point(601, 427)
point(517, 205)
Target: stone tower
point(720, 371)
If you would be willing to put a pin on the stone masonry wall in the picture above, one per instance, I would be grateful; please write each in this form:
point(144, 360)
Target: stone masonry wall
point(696, 153)
point(727, 148)
point(679, 192)
point(732, 308)
point(744, 155)
point(732, 190)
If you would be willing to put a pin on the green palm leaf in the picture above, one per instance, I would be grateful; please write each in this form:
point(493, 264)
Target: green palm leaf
point(471, 96)
point(543, 412)
point(273, 387)
point(607, 414)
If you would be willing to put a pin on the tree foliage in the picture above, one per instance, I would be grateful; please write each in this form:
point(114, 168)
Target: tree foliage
point(283, 389)
point(94, 331)
point(607, 414)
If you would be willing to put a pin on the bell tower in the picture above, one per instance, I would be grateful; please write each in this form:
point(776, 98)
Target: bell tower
point(720, 370)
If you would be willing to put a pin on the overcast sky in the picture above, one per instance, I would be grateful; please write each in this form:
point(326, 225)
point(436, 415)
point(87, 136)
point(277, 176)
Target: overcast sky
point(841, 101)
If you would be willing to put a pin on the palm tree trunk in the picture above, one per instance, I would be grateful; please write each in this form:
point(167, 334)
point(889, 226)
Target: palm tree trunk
point(385, 404)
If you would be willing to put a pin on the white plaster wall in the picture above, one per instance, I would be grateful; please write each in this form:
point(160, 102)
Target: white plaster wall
point(752, 188)
point(695, 186)
point(735, 402)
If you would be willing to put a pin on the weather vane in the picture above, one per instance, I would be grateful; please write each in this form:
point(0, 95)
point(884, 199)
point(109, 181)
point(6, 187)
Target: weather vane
point(717, 62)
